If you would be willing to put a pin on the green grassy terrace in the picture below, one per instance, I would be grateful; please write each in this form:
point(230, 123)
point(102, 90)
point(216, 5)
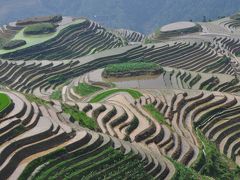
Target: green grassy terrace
point(131, 67)
point(135, 94)
point(41, 28)
point(5, 101)
point(56, 95)
point(155, 114)
point(84, 89)
point(213, 163)
point(80, 117)
point(185, 173)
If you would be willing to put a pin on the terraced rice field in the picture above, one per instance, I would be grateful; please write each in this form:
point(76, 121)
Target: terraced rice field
point(61, 119)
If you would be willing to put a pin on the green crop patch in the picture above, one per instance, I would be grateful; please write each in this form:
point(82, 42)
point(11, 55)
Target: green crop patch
point(80, 117)
point(56, 95)
point(84, 89)
point(5, 101)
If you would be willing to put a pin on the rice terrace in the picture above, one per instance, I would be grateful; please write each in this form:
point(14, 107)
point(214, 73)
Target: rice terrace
point(79, 100)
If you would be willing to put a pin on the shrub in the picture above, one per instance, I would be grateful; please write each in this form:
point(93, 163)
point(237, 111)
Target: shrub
point(136, 68)
point(14, 44)
point(41, 19)
point(42, 28)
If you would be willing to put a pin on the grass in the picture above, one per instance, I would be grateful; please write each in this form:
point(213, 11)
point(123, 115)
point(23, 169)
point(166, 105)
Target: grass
point(84, 89)
point(39, 28)
point(135, 94)
point(131, 66)
point(155, 114)
point(217, 165)
point(5, 101)
point(56, 95)
point(185, 173)
point(35, 99)
point(80, 117)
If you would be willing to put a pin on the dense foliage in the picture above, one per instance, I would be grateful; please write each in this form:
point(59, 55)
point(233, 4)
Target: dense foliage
point(131, 69)
point(41, 28)
point(128, 67)
point(14, 44)
point(41, 19)
point(217, 165)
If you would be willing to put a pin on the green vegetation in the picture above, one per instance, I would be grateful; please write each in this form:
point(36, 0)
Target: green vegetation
point(56, 95)
point(41, 19)
point(132, 67)
point(126, 67)
point(41, 28)
point(14, 44)
point(80, 117)
point(155, 114)
point(5, 102)
point(35, 99)
point(2, 42)
point(183, 173)
point(84, 89)
point(135, 94)
point(217, 165)
point(41, 160)
point(106, 164)
point(42, 38)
